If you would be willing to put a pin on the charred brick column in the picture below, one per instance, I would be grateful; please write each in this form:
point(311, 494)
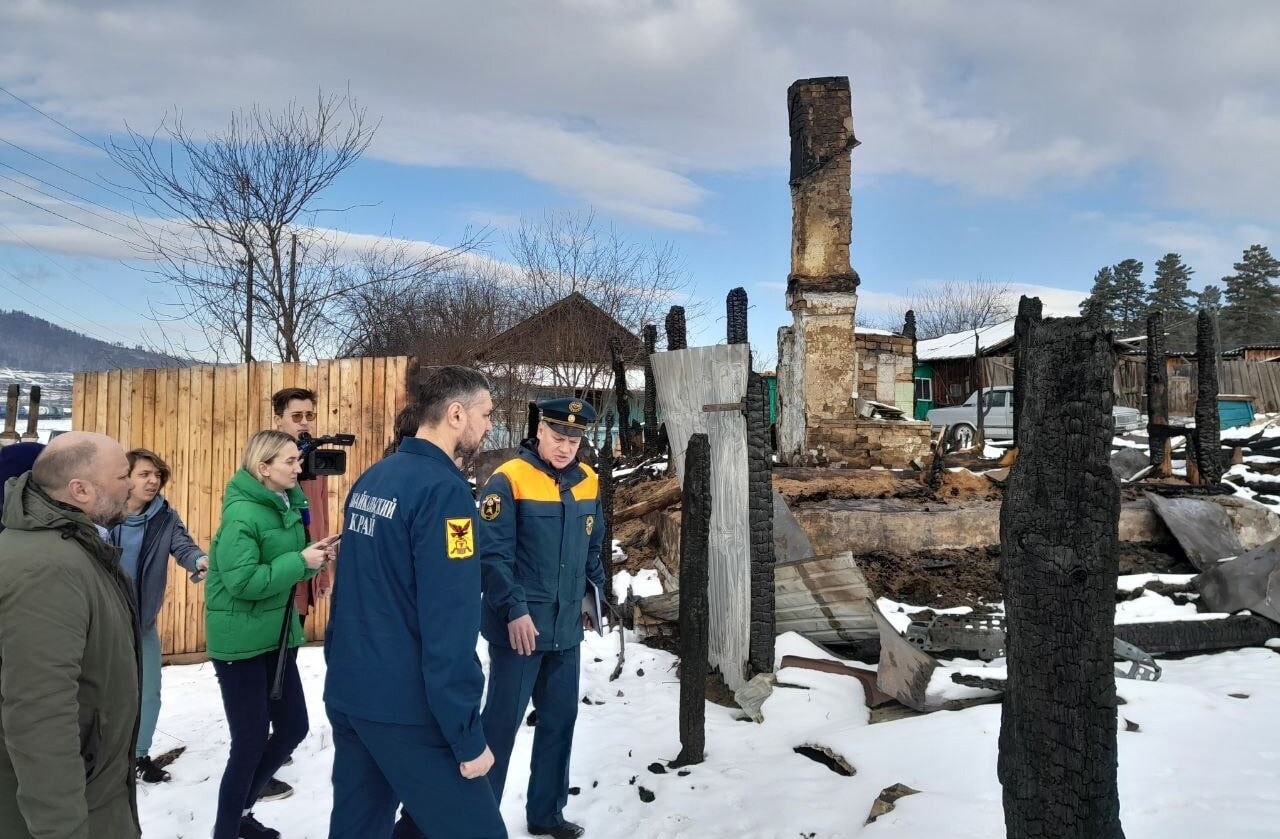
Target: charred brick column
point(1059, 526)
point(1157, 390)
point(822, 363)
point(1208, 431)
point(695, 536)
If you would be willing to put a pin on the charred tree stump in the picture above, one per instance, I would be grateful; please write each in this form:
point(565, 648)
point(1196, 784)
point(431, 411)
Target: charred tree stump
point(1059, 526)
point(695, 543)
point(651, 444)
point(1157, 394)
point(604, 471)
point(1208, 431)
point(736, 304)
point(620, 396)
point(1029, 313)
point(760, 519)
point(677, 339)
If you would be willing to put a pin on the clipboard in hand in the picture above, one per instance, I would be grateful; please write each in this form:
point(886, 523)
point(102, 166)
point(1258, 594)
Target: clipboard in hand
point(592, 607)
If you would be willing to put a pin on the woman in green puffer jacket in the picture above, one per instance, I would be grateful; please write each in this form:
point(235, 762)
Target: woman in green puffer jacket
point(257, 556)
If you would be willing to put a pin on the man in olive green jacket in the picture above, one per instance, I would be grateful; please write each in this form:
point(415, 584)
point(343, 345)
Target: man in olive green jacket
point(69, 682)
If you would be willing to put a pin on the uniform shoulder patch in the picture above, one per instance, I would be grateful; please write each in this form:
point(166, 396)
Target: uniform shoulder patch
point(590, 524)
point(491, 506)
point(460, 538)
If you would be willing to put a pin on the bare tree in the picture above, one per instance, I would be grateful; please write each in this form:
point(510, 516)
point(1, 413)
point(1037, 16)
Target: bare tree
point(240, 247)
point(959, 306)
point(561, 252)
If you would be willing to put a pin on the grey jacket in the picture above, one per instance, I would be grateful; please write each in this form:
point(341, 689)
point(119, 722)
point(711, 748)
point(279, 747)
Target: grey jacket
point(69, 682)
point(165, 534)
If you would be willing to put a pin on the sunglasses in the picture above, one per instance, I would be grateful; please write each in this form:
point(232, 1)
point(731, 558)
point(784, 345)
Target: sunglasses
point(297, 416)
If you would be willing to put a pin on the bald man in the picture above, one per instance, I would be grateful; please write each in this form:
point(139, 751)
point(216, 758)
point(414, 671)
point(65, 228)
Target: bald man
point(69, 682)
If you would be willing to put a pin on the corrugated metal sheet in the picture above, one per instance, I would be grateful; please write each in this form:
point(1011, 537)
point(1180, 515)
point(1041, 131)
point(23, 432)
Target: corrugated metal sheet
point(686, 381)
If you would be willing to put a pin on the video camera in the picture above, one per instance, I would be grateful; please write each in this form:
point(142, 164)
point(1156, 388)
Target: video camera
point(317, 461)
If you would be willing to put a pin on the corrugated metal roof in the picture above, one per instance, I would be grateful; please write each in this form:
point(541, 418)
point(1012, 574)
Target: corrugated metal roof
point(960, 344)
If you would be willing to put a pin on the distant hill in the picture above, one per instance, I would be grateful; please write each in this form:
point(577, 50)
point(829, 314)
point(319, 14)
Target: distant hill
point(29, 343)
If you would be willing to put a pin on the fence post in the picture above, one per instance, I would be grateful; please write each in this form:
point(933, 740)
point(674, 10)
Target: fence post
point(695, 532)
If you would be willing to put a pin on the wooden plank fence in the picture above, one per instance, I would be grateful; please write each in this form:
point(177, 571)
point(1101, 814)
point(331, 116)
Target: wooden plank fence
point(198, 419)
point(1261, 380)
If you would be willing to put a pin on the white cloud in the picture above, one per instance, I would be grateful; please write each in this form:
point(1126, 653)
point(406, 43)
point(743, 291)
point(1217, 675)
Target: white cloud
point(627, 104)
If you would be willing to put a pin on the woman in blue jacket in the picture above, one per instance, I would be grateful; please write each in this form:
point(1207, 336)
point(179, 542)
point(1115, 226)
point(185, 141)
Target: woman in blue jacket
point(151, 534)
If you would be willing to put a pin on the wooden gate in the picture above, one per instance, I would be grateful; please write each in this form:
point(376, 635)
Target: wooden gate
point(198, 419)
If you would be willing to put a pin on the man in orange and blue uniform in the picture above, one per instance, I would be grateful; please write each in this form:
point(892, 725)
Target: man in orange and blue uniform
point(540, 537)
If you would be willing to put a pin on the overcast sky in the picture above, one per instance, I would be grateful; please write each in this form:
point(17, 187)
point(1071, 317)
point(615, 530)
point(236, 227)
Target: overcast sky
point(1021, 142)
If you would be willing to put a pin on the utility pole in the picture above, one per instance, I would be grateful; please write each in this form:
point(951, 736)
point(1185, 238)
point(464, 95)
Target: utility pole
point(248, 312)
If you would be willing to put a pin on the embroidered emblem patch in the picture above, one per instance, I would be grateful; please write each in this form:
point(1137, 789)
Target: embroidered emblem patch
point(491, 507)
point(460, 540)
point(575, 407)
point(591, 524)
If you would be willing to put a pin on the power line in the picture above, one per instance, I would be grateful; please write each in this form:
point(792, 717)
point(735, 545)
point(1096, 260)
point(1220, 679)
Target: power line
point(60, 200)
point(51, 119)
point(64, 268)
point(70, 172)
point(77, 196)
point(66, 218)
point(56, 303)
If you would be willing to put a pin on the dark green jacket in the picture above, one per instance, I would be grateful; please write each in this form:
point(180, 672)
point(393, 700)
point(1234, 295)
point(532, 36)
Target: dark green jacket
point(255, 560)
point(69, 682)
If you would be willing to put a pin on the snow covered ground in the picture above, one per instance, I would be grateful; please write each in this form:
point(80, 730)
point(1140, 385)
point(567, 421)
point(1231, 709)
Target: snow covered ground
point(1205, 760)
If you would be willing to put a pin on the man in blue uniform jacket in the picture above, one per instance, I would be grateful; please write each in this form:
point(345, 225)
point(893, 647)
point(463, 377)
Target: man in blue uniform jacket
point(541, 533)
point(404, 682)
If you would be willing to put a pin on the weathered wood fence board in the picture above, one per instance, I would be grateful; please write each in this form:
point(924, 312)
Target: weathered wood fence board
point(198, 419)
point(1261, 380)
point(686, 381)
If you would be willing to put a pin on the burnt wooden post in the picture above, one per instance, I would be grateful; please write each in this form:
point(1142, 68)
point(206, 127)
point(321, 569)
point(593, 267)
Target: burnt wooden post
point(32, 434)
point(652, 446)
point(1157, 394)
point(1029, 312)
point(535, 416)
point(620, 396)
point(10, 433)
point(1059, 528)
point(736, 304)
point(760, 520)
point(695, 535)
point(605, 473)
point(677, 338)
point(1208, 425)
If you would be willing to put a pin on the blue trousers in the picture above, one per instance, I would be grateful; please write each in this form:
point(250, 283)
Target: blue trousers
point(264, 731)
point(150, 691)
point(376, 766)
point(550, 678)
